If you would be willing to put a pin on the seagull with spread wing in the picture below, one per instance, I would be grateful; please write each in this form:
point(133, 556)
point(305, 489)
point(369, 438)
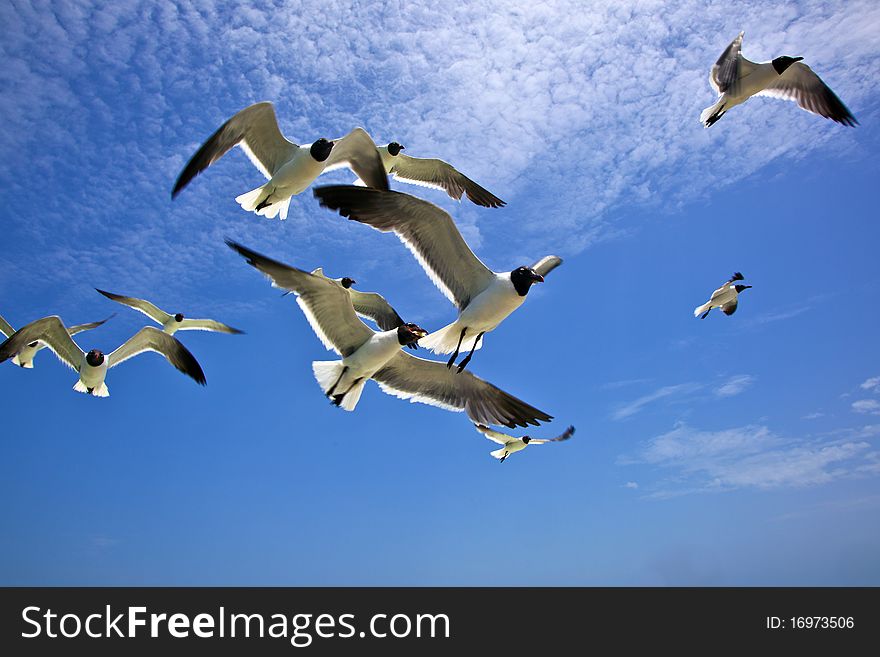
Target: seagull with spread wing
point(170, 323)
point(736, 79)
point(725, 297)
point(483, 297)
point(510, 444)
point(431, 172)
point(25, 357)
point(92, 366)
point(289, 168)
point(368, 354)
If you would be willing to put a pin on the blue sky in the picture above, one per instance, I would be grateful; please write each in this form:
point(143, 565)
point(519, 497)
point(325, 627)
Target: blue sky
point(740, 450)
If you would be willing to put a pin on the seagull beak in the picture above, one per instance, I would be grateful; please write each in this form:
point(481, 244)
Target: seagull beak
point(403, 148)
point(538, 278)
point(797, 59)
point(421, 333)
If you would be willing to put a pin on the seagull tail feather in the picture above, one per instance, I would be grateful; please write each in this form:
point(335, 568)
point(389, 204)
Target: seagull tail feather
point(498, 453)
point(699, 310)
point(353, 396)
point(711, 114)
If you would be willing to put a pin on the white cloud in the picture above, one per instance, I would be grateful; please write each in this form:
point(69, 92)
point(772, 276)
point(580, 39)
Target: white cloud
point(812, 416)
point(869, 406)
point(735, 385)
point(871, 384)
point(631, 408)
point(751, 456)
point(631, 484)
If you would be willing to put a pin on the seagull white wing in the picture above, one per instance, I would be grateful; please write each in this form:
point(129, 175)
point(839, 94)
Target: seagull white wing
point(325, 303)
point(150, 338)
point(494, 436)
point(431, 382)
point(78, 328)
point(148, 309)
point(206, 325)
point(255, 129)
point(6, 328)
point(358, 151)
point(49, 331)
point(800, 84)
point(426, 230)
point(547, 264)
point(441, 175)
point(730, 68)
point(565, 435)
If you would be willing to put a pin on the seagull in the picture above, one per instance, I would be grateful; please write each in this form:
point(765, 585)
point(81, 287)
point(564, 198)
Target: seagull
point(368, 354)
point(92, 366)
point(736, 79)
point(369, 305)
point(483, 297)
point(725, 297)
point(25, 357)
point(434, 173)
point(511, 444)
point(170, 323)
point(289, 168)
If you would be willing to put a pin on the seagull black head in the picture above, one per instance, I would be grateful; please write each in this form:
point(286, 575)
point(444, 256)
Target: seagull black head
point(178, 317)
point(95, 358)
point(526, 440)
point(348, 282)
point(394, 148)
point(781, 64)
point(523, 278)
point(410, 333)
point(320, 150)
point(740, 288)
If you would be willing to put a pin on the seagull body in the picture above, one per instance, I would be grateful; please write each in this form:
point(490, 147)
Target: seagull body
point(170, 323)
point(736, 79)
point(25, 357)
point(434, 173)
point(484, 298)
point(289, 168)
point(725, 297)
point(92, 366)
point(511, 445)
point(368, 354)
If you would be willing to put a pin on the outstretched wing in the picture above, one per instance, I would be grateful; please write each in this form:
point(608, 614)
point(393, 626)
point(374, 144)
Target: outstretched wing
point(438, 174)
point(730, 68)
point(49, 331)
point(206, 325)
point(547, 264)
point(148, 309)
point(565, 435)
point(358, 151)
point(374, 306)
point(150, 338)
point(494, 436)
point(431, 382)
point(800, 84)
point(255, 129)
point(325, 303)
point(426, 230)
point(6, 328)
point(730, 307)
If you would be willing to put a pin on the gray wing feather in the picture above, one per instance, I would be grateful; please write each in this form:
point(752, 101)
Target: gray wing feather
point(441, 175)
point(725, 73)
point(207, 325)
point(150, 338)
point(547, 264)
point(358, 151)
point(431, 382)
point(429, 232)
point(49, 331)
point(374, 306)
point(6, 328)
point(800, 84)
point(325, 303)
point(147, 308)
point(565, 435)
point(255, 128)
point(730, 307)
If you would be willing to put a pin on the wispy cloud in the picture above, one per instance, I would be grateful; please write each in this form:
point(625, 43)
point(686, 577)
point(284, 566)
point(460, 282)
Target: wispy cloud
point(868, 406)
point(614, 385)
point(631, 484)
point(735, 385)
point(750, 456)
point(813, 416)
point(872, 384)
point(631, 408)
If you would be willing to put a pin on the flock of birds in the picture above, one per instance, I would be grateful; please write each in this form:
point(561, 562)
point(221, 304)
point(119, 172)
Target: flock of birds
point(333, 308)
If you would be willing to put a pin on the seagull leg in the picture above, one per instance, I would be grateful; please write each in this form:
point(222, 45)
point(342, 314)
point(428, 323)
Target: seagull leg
point(264, 203)
point(467, 359)
point(703, 316)
point(455, 355)
point(337, 399)
point(503, 457)
point(329, 393)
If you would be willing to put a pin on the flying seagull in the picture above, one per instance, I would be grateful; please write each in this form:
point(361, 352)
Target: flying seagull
point(510, 444)
point(369, 305)
point(92, 366)
point(483, 297)
point(368, 354)
point(290, 168)
point(725, 297)
point(430, 172)
point(25, 357)
point(170, 323)
point(736, 79)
